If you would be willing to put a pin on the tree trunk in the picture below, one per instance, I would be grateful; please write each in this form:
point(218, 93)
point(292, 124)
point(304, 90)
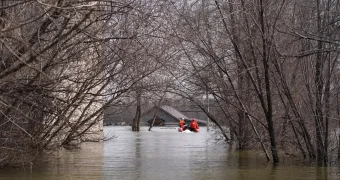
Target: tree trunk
point(319, 120)
point(242, 135)
point(338, 116)
point(156, 113)
point(136, 119)
point(269, 113)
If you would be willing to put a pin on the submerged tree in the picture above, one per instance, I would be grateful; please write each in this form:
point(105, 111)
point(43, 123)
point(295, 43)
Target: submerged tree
point(61, 65)
point(269, 67)
point(260, 60)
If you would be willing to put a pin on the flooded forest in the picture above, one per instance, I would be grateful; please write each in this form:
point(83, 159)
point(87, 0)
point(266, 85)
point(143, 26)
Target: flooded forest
point(265, 72)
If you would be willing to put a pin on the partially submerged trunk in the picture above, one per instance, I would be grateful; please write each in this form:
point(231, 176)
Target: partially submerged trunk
point(154, 117)
point(136, 119)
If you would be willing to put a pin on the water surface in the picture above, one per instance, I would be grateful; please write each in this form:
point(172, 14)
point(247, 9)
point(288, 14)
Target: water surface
point(163, 154)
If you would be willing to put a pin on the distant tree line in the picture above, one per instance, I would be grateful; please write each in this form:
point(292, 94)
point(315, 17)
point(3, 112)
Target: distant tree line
point(124, 113)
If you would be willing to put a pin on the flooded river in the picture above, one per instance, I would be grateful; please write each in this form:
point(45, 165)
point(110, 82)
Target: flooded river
point(163, 154)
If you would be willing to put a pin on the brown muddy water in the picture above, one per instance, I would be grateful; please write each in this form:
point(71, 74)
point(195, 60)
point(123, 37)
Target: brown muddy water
point(163, 154)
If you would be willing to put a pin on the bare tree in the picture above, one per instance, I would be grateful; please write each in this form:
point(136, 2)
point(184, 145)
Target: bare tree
point(62, 63)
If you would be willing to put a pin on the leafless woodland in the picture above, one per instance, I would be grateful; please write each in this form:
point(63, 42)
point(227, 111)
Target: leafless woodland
point(269, 69)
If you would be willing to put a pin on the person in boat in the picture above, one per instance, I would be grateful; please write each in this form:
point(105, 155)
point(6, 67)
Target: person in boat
point(194, 126)
point(181, 122)
point(182, 126)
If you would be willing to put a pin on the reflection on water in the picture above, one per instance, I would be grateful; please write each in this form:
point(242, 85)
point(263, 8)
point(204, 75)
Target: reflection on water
point(163, 154)
point(84, 163)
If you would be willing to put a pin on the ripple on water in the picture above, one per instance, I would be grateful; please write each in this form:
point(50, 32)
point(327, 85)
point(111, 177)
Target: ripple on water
point(163, 154)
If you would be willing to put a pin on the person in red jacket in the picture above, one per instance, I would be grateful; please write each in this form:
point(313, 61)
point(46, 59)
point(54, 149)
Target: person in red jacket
point(181, 124)
point(194, 126)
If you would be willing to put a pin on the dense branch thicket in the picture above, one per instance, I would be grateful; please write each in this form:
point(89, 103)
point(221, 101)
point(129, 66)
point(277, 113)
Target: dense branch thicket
point(62, 62)
point(269, 69)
